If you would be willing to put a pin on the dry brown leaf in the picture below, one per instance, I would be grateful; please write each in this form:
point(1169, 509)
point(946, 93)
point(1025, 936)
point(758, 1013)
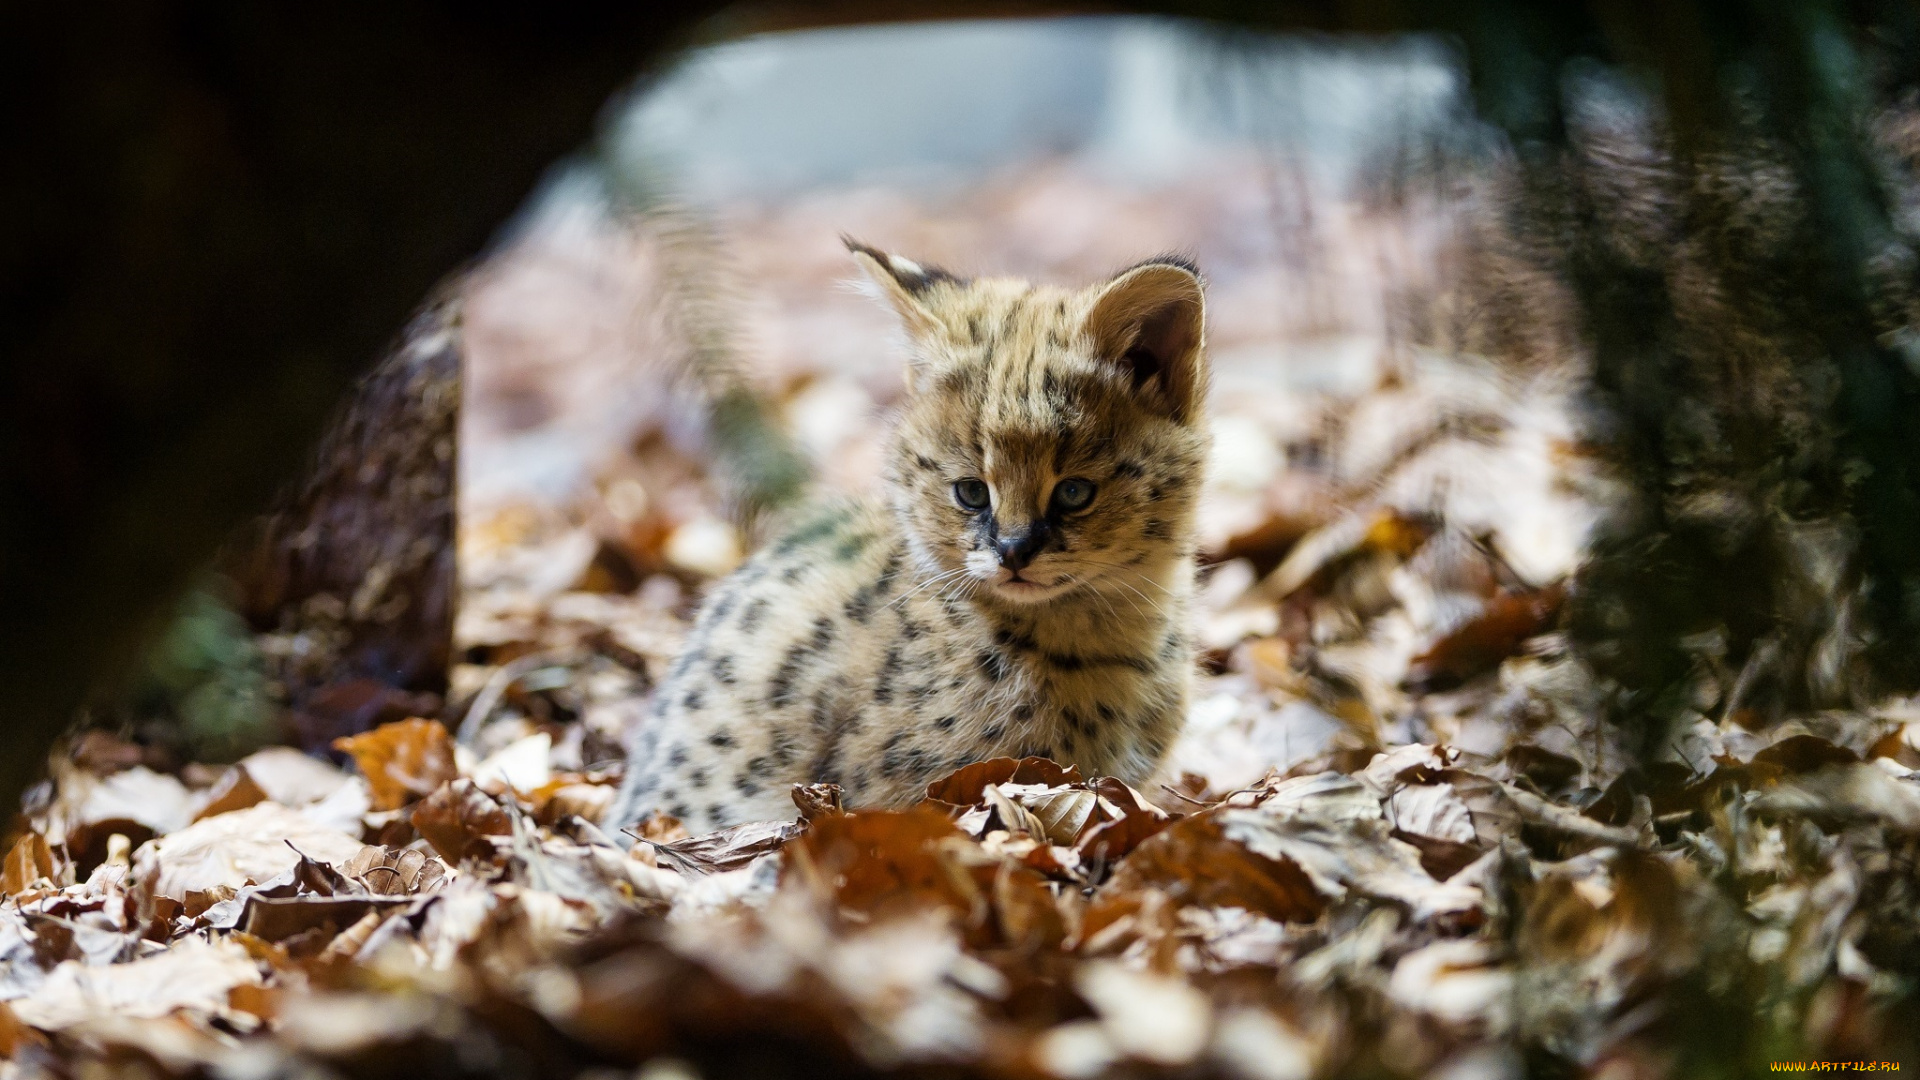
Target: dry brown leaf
point(192, 975)
point(1485, 641)
point(817, 800)
point(30, 860)
point(880, 862)
point(1193, 862)
point(235, 849)
point(458, 819)
point(728, 849)
point(1113, 839)
point(15, 1035)
point(568, 796)
point(1342, 855)
point(1062, 812)
point(968, 785)
point(395, 871)
point(402, 761)
point(235, 790)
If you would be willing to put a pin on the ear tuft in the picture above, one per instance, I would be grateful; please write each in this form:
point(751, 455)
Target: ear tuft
point(914, 277)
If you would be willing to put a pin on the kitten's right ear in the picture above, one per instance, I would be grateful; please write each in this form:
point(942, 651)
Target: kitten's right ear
point(904, 283)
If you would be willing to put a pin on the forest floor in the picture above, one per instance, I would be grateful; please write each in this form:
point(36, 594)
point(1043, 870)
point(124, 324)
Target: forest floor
point(1396, 839)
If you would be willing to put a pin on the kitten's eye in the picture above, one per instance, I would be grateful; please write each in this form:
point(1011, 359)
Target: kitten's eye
point(971, 494)
point(1072, 494)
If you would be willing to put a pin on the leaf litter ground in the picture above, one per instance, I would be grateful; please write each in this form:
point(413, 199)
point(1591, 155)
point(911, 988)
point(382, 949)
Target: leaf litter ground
point(1395, 839)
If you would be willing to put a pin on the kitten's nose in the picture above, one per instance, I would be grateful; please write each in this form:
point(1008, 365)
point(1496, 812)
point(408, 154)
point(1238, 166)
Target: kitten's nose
point(1018, 549)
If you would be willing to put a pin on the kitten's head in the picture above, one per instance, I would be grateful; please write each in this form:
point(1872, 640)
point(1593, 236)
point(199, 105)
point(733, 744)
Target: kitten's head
point(1052, 439)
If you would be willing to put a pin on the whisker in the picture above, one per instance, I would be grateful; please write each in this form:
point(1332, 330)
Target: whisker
point(928, 583)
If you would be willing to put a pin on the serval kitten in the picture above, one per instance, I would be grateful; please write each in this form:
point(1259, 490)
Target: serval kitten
point(1023, 589)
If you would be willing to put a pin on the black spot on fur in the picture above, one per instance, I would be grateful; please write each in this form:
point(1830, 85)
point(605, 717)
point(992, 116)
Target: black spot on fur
point(883, 683)
point(849, 548)
point(745, 785)
point(685, 661)
point(697, 778)
point(926, 462)
point(721, 738)
point(723, 671)
point(751, 615)
point(1080, 662)
point(1011, 639)
point(780, 687)
point(860, 605)
point(1128, 469)
point(694, 701)
point(946, 722)
point(676, 757)
point(992, 665)
point(783, 750)
point(813, 531)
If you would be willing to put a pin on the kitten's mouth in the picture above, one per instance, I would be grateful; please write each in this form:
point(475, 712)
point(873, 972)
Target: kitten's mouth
point(1015, 587)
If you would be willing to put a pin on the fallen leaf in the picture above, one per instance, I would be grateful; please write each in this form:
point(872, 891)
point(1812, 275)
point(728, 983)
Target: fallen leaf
point(395, 871)
point(1194, 862)
point(28, 862)
point(194, 976)
point(1151, 1017)
point(235, 849)
point(235, 790)
point(290, 777)
point(728, 849)
point(1485, 641)
point(967, 786)
point(458, 819)
point(402, 761)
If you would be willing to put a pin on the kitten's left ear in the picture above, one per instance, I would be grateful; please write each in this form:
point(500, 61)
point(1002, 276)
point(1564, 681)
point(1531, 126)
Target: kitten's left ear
point(905, 284)
point(1151, 321)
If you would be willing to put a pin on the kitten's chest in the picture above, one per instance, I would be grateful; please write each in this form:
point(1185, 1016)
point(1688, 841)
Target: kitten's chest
point(1109, 702)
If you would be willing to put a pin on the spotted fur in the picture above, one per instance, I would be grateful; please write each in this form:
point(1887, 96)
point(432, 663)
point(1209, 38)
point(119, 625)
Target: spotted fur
point(880, 644)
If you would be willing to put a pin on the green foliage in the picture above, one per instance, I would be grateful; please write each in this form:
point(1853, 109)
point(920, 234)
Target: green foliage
point(205, 677)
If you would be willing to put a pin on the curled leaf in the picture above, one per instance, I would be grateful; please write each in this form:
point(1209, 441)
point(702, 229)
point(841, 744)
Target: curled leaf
point(402, 761)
